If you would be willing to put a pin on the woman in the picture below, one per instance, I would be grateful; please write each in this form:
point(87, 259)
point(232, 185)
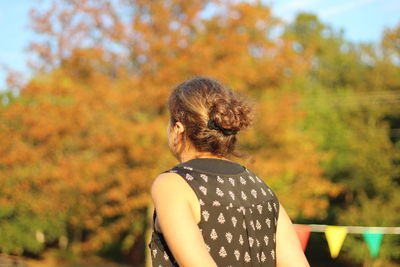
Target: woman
point(209, 210)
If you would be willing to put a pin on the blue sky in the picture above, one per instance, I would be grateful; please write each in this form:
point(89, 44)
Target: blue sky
point(361, 20)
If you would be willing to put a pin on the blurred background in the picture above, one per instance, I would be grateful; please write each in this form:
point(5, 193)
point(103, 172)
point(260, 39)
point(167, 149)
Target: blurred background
point(83, 88)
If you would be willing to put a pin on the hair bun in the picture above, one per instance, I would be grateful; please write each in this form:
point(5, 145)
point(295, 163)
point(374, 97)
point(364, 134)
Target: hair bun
point(233, 115)
point(211, 113)
point(213, 126)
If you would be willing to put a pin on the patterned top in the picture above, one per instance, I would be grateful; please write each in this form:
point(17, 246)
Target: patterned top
point(239, 215)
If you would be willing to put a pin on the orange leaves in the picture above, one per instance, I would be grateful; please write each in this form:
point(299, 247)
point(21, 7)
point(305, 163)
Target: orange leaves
point(286, 157)
point(73, 148)
point(14, 153)
point(89, 135)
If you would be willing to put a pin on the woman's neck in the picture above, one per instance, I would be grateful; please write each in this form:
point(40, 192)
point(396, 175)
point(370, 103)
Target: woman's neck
point(189, 155)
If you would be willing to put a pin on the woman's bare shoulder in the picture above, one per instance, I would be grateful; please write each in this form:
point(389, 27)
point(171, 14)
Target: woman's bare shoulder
point(168, 183)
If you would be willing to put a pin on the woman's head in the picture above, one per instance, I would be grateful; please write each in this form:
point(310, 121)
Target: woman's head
point(211, 113)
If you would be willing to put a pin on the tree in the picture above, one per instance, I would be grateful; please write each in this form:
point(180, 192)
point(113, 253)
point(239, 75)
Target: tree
point(87, 128)
point(348, 103)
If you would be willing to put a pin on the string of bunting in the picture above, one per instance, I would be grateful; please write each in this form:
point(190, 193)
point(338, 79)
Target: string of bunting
point(335, 235)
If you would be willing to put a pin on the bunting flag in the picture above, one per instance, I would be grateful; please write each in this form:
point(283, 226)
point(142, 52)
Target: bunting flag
point(335, 235)
point(303, 232)
point(373, 240)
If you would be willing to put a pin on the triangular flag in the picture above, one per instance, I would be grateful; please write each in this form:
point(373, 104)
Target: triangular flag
point(303, 232)
point(335, 235)
point(374, 241)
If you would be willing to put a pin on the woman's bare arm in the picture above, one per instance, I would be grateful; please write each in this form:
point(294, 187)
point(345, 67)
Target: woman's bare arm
point(288, 249)
point(177, 221)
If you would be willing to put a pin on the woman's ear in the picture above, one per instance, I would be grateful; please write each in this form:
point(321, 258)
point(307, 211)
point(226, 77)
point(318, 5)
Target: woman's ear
point(179, 128)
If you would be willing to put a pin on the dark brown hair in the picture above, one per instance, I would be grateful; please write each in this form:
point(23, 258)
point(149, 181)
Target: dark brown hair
point(212, 114)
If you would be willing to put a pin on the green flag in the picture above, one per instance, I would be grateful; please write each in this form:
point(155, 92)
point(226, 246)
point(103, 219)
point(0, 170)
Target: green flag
point(373, 240)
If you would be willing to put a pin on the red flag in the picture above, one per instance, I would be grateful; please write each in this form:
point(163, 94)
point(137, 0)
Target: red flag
point(303, 232)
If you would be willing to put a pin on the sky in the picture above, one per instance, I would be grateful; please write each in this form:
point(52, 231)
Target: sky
point(361, 20)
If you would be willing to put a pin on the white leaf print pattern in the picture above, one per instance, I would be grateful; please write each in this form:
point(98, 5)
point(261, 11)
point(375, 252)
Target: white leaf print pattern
point(268, 221)
point(228, 236)
point(257, 210)
point(251, 241)
point(270, 191)
point(269, 207)
point(247, 257)
point(221, 218)
point(216, 203)
point(237, 254)
point(219, 192)
point(213, 234)
point(262, 191)
point(252, 225)
point(266, 239)
point(206, 215)
point(241, 241)
point(273, 254)
point(166, 256)
point(263, 257)
point(188, 168)
point(203, 190)
point(154, 253)
point(204, 177)
point(234, 221)
point(231, 235)
point(258, 225)
point(222, 252)
point(259, 207)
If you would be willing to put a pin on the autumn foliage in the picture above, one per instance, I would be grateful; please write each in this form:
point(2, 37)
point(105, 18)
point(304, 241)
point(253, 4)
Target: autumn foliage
point(85, 137)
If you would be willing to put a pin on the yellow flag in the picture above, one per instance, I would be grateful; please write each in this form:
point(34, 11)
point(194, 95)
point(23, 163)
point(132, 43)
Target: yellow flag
point(335, 236)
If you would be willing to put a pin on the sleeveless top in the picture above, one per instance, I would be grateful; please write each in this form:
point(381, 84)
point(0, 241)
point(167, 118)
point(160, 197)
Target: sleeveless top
point(239, 215)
